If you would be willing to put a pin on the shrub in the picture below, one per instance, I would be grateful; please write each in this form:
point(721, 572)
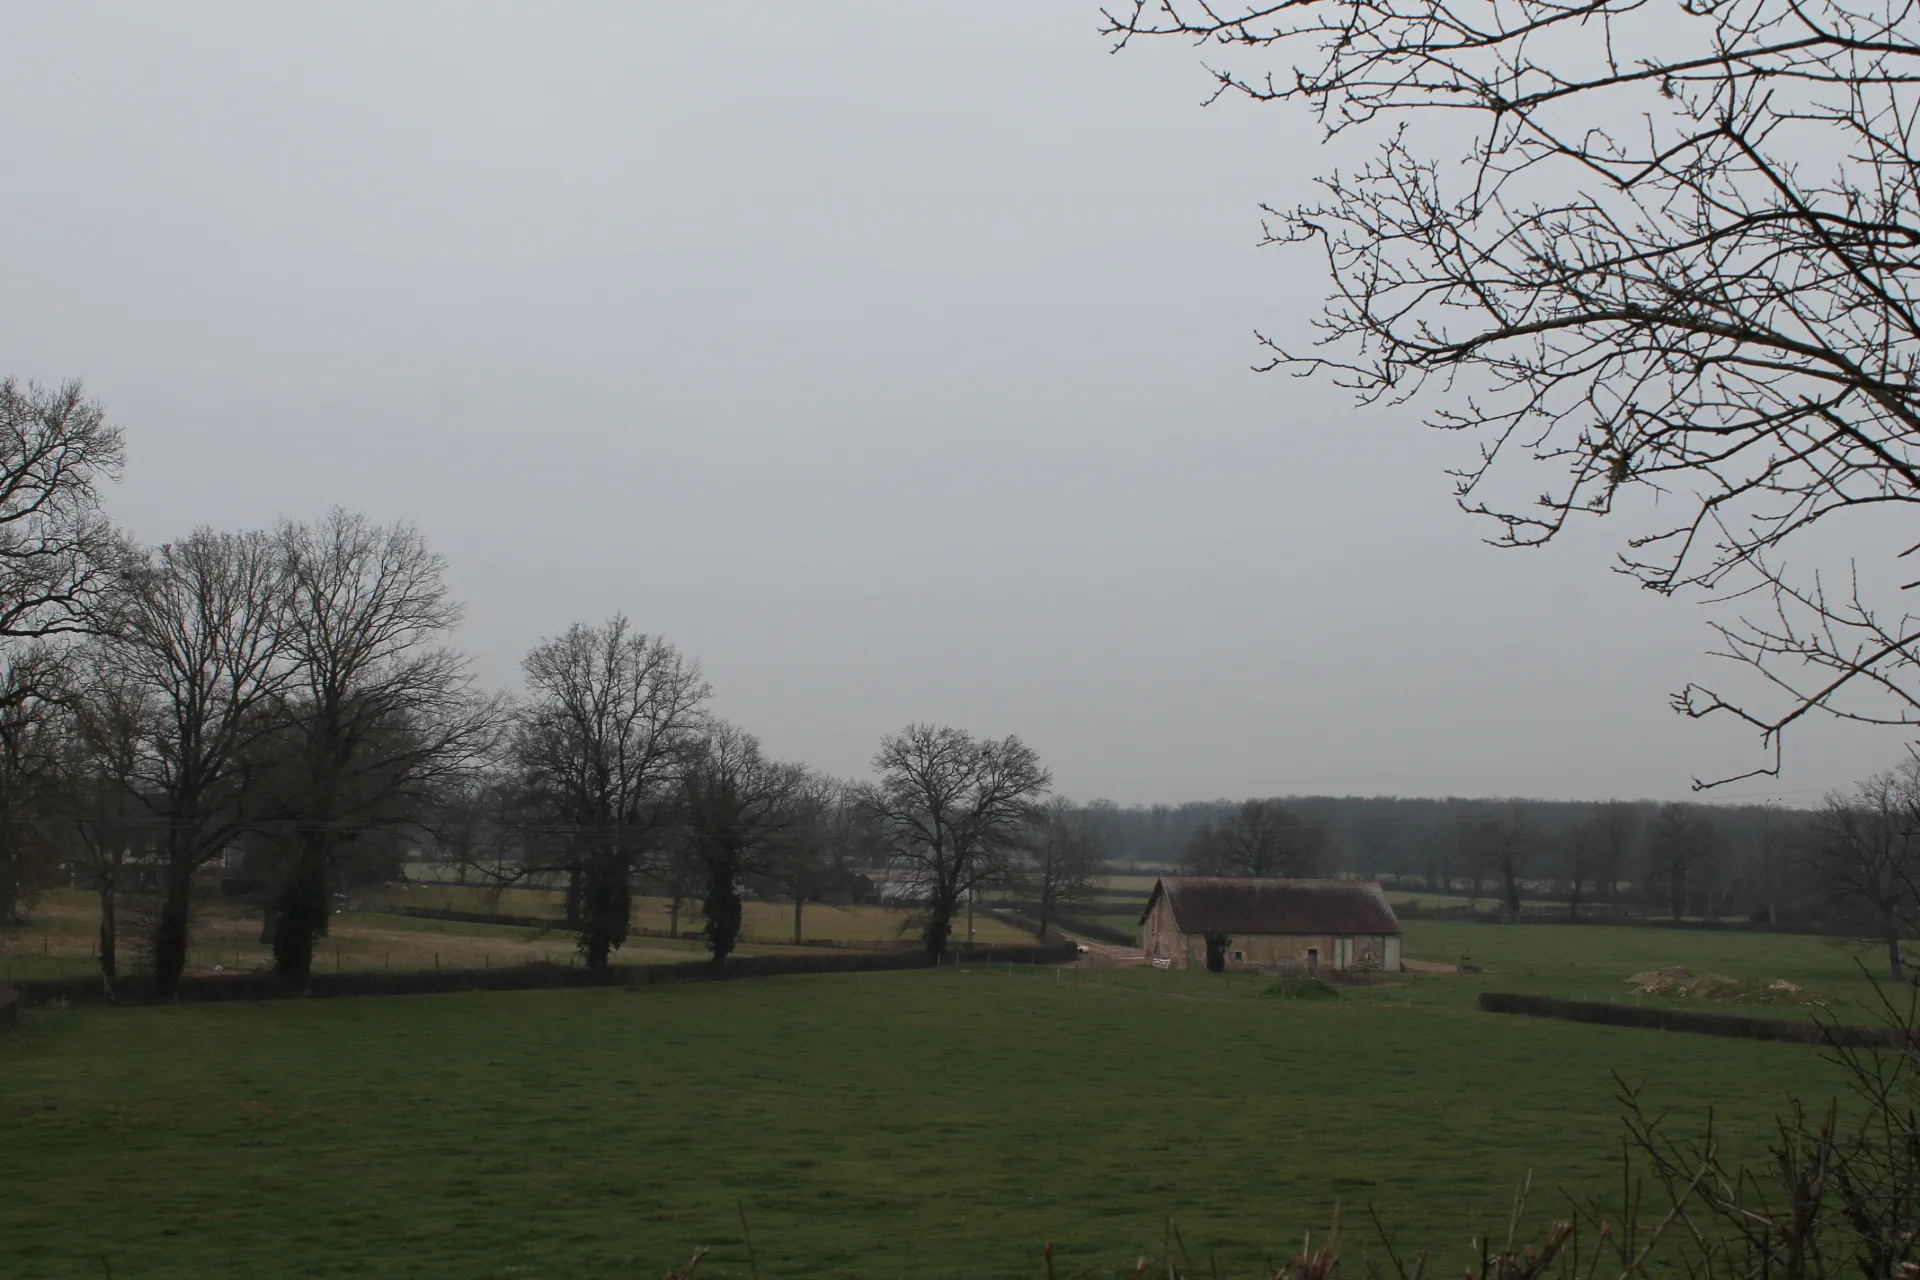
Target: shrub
point(1298, 986)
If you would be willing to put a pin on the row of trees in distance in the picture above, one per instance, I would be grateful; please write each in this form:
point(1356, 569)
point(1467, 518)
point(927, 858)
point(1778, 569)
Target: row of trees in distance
point(292, 698)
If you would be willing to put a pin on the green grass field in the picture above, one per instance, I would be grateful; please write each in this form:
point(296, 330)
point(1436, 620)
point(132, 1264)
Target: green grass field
point(920, 1124)
point(1593, 962)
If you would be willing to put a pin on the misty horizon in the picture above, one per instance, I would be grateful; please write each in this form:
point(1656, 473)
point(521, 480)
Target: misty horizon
point(888, 399)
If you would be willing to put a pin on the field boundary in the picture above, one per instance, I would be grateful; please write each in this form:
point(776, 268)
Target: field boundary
point(1662, 1018)
point(527, 977)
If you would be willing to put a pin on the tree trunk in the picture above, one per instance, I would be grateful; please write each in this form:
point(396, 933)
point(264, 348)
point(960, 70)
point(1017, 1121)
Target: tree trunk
point(1513, 898)
point(1573, 900)
point(1894, 964)
point(300, 910)
point(109, 931)
point(939, 926)
point(606, 906)
point(799, 902)
point(723, 911)
point(597, 950)
point(170, 931)
point(673, 915)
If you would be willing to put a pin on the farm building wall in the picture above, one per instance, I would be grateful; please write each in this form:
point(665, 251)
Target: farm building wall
point(1161, 938)
point(1282, 951)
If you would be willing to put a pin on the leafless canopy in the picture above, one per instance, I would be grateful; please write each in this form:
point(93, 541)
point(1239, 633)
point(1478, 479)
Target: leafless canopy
point(1646, 248)
point(739, 809)
point(612, 716)
point(952, 811)
point(197, 630)
point(1869, 855)
point(1259, 838)
point(56, 548)
point(378, 712)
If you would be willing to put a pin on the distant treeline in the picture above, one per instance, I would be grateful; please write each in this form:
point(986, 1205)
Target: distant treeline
point(1707, 860)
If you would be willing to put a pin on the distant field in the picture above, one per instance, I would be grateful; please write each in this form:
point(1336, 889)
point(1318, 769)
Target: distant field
point(1593, 962)
point(770, 922)
point(60, 936)
point(927, 1124)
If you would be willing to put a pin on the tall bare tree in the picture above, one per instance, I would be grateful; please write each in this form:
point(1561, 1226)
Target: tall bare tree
point(952, 811)
point(611, 719)
point(197, 627)
point(31, 763)
point(1656, 249)
point(1869, 854)
point(1580, 855)
point(57, 550)
point(1681, 846)
point(1259, 838)
point(825, 840)
point(108, 723)
point(1615, 827)
point(742, 812)
point(1062, 861)
point(1503, 845)
point(379, 710)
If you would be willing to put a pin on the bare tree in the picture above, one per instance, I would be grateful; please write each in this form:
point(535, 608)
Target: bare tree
point(1259, 838)
point(379, 710)
point(598, 748)
point(1580, 852)
point(1869, 854)
point(197, 628)
point(826, 838)
point(108, 724)
point(952, 811)
point(1681, 846)
point(742, 811)
point(31, 763)
point(57, 551)
point(1616, 827)
point(1503, 845)
point(1675, 258)
point(1062, 862)
point(1771, 847)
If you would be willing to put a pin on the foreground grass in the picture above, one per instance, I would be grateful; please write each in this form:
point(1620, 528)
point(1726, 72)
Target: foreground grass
point(922, 1124)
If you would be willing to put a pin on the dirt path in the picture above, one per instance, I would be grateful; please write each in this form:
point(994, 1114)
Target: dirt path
point(1104, 955)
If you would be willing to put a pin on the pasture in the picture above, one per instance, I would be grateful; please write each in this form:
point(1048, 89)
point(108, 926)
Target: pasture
point(60, 936)
point(924, 1124)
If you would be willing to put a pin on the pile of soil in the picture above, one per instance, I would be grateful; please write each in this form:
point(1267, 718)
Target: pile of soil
point(1680, 981)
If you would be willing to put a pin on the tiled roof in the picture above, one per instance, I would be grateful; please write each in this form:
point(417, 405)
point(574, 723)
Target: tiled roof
point(1225, 904)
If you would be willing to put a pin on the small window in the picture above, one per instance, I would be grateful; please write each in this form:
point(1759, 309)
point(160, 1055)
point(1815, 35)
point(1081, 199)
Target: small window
point(1239, 955)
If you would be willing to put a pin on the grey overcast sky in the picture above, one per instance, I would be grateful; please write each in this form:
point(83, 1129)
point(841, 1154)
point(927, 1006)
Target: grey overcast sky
point(893, 359)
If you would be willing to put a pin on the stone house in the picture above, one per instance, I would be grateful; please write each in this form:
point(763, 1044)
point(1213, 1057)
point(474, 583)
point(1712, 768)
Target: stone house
point(1269, 923)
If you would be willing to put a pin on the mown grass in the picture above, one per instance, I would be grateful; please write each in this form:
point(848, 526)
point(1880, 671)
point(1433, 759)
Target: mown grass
point(925, 1124)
